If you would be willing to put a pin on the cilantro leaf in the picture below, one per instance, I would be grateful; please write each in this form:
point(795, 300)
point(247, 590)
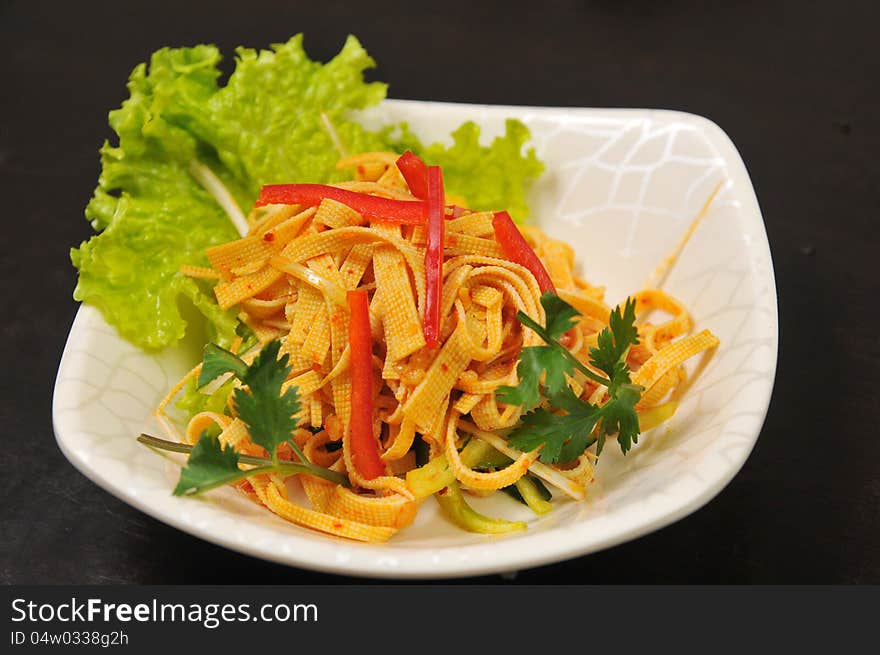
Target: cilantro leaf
point(561, 437)
point(619, 416)
point(269, 414)
point(567, 425)
point(218, 361)
point(552, 361)
point(533, 362)
point(615, 340)
point(565, 436)
point(210, 465)
point(560, 318)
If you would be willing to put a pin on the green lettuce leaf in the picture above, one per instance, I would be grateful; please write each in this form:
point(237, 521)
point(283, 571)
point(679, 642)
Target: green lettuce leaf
point(496, 176)
point(264, 125)
point(153, 214)
point(192, 401)
point(156, 217)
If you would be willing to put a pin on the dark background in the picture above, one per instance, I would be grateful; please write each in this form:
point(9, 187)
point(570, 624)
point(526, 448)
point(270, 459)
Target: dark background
point(795, 85)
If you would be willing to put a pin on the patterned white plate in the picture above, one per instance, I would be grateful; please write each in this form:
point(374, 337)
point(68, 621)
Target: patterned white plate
point(620, 186)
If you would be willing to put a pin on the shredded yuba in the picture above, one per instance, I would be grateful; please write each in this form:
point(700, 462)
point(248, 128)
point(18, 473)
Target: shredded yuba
point(289, 276)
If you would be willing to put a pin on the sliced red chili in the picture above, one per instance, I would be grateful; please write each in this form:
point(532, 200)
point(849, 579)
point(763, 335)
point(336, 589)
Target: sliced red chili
point(364, 447)
point(519, 251)
point(434, 257)
point(370, 207)
point(415, 172)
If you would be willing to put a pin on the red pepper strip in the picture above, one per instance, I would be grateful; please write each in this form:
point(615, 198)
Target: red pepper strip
point(370, 207)
point(364, 448)
point(456, 211)
point(434, 256)
point(519, 251)
point(415, 173)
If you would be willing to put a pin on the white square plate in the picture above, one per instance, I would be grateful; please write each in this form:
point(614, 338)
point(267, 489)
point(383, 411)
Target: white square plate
point(620, 186)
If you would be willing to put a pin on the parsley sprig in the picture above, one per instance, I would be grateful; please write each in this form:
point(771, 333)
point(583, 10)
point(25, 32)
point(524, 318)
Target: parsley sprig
point(269, 414)
point(560, 423)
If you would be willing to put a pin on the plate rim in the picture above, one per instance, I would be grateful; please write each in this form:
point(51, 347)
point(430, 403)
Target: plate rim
point(408, 567)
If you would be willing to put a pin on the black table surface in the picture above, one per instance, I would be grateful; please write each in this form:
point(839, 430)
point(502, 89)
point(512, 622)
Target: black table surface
point(795, 85)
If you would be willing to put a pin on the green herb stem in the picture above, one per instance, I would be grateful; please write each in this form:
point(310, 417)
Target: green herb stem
point(262, 464)
point(527, 320)
point(595, 377)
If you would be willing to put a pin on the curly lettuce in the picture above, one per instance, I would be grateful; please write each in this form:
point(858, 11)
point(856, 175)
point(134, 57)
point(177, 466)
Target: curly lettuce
point(153, 215)
point(264, 125)
point(496, 176)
